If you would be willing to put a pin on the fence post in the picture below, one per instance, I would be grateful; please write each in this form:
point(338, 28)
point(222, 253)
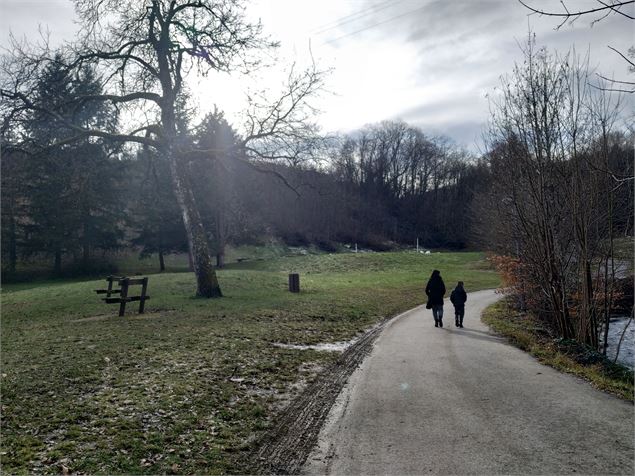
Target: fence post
point(124, 295)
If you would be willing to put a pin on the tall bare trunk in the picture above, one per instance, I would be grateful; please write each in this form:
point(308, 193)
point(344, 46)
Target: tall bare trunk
point(190, 260)
point(161, 260)
point(206, 280)
point(610, 258)
point(220, 259)
point(589, 334)
point(161, 252)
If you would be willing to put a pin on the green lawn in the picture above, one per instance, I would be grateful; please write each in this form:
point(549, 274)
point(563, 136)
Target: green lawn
point(190, 386)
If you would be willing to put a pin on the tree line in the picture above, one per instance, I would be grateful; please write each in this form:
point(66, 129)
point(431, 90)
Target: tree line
point(142, 53)
point(100, 150)
point(386, 184)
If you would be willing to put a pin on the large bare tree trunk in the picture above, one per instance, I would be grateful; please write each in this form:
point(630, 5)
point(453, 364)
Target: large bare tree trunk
point(161, 251)
point(206, 280)
point(220, 259)
point(161, 260)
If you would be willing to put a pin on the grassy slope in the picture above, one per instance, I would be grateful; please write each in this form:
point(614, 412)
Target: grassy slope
point(527, 333)
point(190, 386)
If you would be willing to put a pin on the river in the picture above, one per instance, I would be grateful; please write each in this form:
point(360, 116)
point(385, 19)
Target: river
point(627, 349)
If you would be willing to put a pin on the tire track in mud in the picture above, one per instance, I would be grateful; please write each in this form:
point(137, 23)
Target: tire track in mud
point(297, 430)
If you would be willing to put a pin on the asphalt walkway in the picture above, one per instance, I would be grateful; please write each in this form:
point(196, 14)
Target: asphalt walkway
point(463, 401)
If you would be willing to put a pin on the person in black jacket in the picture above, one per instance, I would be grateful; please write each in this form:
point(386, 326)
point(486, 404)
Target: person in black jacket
point(458, 298)
point(435, 290)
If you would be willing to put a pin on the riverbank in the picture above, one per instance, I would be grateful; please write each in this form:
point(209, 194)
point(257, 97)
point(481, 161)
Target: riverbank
point(528, 333)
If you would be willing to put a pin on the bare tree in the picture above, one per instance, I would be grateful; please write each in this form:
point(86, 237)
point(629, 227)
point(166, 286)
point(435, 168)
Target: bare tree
point(549, 153)
point(603, 9)
point(603, 112)
point(525, 129)
point(144, 53)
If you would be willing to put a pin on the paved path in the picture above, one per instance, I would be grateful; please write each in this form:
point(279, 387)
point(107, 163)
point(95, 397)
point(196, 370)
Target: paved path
point(462, 401)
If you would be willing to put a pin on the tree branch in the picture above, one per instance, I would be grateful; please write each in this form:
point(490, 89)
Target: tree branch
point(615, 7)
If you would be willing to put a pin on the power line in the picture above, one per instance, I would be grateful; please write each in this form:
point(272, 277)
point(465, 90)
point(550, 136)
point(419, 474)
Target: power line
point(351, 17)
point(356, 16)
point(374, 25)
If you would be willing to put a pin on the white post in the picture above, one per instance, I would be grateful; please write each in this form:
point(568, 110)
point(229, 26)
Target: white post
point(355, 247)
point(417, 245)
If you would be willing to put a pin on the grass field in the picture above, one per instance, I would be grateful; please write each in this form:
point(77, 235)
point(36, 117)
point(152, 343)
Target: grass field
point(192, 385)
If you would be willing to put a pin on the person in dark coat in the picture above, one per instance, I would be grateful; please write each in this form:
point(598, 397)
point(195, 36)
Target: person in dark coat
point(458, 298)
point(435, 290)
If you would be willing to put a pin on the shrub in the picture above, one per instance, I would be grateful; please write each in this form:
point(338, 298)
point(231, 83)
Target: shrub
point(327, 245)
point(295, 239)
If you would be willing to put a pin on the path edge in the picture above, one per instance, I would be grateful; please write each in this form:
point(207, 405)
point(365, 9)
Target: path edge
point(296, 433)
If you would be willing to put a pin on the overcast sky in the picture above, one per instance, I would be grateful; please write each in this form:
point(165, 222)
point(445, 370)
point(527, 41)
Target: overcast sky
point(428, 62)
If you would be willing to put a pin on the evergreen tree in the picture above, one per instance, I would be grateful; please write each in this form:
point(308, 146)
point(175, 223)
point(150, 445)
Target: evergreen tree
point(213, 180)
point(12, 196)
point(72, 189)
point(158, 220)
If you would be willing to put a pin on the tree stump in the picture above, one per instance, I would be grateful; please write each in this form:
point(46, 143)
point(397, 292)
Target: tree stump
point(294, 282)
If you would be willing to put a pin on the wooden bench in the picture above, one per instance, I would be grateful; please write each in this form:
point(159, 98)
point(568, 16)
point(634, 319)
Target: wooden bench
point(124, 285)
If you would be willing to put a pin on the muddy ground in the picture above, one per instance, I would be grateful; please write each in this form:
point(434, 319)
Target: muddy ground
point(291, 442)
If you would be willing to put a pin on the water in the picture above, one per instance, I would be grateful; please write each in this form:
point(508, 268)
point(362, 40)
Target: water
point(627, 349)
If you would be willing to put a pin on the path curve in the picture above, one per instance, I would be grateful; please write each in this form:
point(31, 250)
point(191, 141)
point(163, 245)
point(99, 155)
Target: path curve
point(463, 401)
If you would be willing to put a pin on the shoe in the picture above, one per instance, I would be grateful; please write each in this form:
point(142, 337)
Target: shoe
point(460, 325)
point(440, 323)
point(456, 324)
point(436, 324)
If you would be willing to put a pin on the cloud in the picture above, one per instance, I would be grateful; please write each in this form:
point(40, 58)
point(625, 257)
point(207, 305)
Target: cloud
point(460, 49)
point(24, 17)
point(430, 62)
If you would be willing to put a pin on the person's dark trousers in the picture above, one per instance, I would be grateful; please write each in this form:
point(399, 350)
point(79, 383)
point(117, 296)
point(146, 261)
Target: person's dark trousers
point(459, 313)
point(437, 313)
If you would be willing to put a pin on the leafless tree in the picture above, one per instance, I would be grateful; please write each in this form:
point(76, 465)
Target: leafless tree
point(549, 194)
point(144, 52)
point(601, 11)
point(604, 8)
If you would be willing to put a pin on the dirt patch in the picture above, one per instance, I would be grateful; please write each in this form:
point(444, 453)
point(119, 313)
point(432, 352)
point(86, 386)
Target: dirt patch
point(150, 315)
point(132, 317)
point(101, 317)
point(291, 442)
